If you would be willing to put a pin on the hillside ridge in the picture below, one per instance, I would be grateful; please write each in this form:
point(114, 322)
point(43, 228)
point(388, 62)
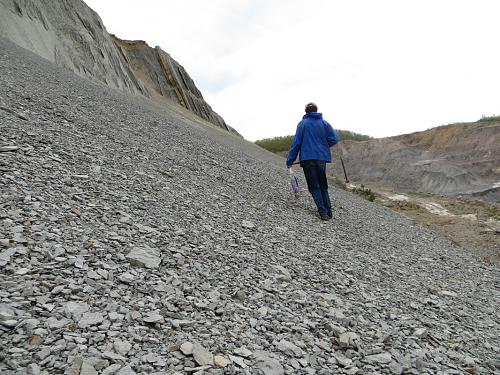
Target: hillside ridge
point(452, 160)
point(70, 34)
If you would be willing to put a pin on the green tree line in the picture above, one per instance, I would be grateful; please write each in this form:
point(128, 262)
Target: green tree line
point(283, 143)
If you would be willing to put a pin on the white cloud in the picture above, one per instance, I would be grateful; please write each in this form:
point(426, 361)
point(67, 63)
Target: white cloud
point(376, 67)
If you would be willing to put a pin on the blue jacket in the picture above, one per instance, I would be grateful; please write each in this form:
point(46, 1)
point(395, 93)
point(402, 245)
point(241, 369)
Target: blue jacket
point(313, 138)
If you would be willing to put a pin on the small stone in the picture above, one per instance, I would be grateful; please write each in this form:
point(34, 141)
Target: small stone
point(33, 369)
point(202, 356)
point(395, 368)
point(153, 317)
point(347, 339)
point(75, 309)
point(447, 293)
point(238, 360)
point(221, 361)
point(351, 370)
point(179, 323)
point(289, 348)
point(144, 257)
point(150, 358)
point(267, 363)
point(35, 340)
point(111, 370)
point(11, 323)
point(93, 275)
point(127, 370)
point(242, 352)
point(126, 278)
point(378, 358)
point(247, 224)
point(342, 360)
point(420, 332)
point(122, 347)
point(90, 319)
point(187, 348)
point(87, 369)
point(55, 323)
point(113, 356)
point(9, 148)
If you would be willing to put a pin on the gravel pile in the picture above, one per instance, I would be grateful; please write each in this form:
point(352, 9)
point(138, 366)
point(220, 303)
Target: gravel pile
point(135, 240)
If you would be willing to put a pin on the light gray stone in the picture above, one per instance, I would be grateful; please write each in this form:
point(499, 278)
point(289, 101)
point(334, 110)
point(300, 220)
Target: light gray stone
point(144, 257)
point(90, 319)
point(268, 363)
point(201, 355)
point(380, 358)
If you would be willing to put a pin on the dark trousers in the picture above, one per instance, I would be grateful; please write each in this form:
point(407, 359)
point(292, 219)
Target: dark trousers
point(315, 173)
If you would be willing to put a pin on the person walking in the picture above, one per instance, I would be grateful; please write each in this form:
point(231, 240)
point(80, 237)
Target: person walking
point(313, 139)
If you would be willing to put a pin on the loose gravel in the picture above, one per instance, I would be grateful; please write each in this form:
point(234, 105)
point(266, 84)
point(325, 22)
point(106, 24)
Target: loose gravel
point(136, 240)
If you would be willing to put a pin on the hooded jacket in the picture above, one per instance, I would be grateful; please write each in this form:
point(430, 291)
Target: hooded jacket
point(313, 139)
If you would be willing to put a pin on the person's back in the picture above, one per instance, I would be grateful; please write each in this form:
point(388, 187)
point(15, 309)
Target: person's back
point(313, 139)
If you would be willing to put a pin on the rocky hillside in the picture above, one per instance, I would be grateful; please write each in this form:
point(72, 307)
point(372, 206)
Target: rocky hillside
point(451, 160)
point(70, 34)
point(163, 77)
point(135, 240)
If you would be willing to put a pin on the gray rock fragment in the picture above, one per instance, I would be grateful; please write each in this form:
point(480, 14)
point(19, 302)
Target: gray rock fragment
point(90, 319)
point(348, 339)
point(289, 348)
point(122, 347)
point(127, 370)
point(267, 363)
point(144, 257)
point(87, 369)
point(202, 356)
point(75, 310)
point(187, 348)
point(380, 358)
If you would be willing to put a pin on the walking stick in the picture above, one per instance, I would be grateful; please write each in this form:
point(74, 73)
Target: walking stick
point(343, 167)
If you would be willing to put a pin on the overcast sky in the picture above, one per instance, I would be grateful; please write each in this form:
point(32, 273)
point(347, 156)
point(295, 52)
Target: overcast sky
point(380, 68)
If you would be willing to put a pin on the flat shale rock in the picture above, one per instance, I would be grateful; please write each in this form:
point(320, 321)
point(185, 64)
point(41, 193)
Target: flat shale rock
point(144, 257)
point(202, 356)
point(268, 364)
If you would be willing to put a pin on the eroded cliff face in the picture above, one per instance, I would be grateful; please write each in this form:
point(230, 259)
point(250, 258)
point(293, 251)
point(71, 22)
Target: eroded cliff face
point(453, 159)
point(163, 77)
point(70, 34)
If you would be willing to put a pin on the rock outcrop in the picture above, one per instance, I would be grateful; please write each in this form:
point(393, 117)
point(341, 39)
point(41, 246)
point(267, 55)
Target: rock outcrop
point(453, 159)
point(70, 34)
point(163, 77)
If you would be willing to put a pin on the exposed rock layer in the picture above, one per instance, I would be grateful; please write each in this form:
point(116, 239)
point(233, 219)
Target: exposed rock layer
point(163, 77)
point(453, 159)
point(70, 34)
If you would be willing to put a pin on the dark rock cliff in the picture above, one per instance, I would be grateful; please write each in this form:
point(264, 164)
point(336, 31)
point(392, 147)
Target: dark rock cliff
point(70, 34)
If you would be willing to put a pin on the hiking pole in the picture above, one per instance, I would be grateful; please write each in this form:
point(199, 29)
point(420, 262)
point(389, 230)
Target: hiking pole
point(343, 167)
point(345, 173)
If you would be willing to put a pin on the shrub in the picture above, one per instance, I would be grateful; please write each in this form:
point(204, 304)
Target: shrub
point(283, 143)
point(365, 193)
point(493, 118)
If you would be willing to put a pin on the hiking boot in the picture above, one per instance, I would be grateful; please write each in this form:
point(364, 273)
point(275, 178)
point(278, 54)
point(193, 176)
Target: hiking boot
point(324, 217)
point(329, 213)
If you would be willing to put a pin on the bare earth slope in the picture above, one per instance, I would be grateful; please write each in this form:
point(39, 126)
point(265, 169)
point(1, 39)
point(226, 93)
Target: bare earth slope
point(127, 230)
point(451, 160)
